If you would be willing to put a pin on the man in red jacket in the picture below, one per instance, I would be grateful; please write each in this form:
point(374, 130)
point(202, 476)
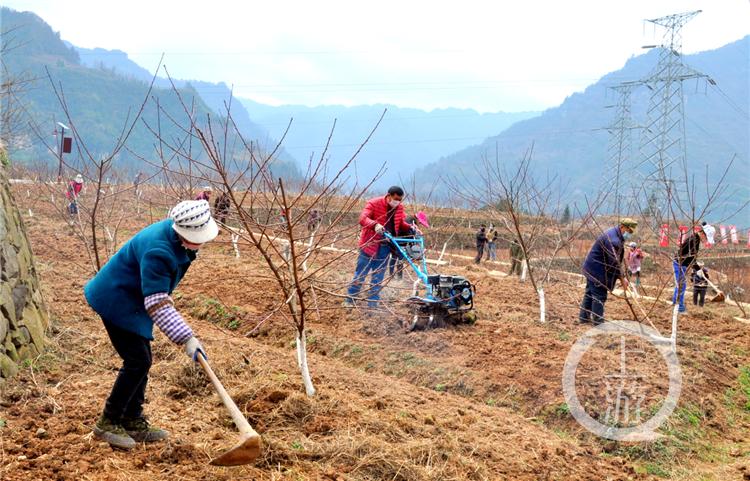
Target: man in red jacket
point(382, 214)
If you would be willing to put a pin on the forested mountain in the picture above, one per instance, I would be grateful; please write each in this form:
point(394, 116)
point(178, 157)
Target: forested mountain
point(103, 86)
point(571, 140)
point(406, 139)
point(100, 99)
point(215, 95)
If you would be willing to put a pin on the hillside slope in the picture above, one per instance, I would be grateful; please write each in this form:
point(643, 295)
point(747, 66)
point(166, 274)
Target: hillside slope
point(473, 402)
point(100, 100)
point(571, 140)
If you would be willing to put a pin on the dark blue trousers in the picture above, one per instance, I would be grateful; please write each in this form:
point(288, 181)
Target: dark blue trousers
point(366, 265)
point(592, 307)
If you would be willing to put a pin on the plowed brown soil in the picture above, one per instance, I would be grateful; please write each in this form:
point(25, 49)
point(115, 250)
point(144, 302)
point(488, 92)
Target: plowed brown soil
point(473, 402)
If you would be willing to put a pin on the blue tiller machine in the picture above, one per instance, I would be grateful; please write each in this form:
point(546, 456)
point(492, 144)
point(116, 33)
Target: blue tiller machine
point(440, 298)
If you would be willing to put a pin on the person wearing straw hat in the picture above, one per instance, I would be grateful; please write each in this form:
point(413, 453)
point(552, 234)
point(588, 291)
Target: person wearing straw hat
point(602, 268)
point(131, 293)
point(516, 257)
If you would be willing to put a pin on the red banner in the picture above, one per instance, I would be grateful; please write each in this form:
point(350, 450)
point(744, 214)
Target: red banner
point(664, 236)
point(723, 234)
point(748, 237)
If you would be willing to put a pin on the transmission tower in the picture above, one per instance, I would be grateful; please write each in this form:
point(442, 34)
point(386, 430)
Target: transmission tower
point(662, 144)
point(619, 151)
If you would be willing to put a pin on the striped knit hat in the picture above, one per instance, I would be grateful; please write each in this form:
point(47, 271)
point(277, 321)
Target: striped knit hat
point(193, 221)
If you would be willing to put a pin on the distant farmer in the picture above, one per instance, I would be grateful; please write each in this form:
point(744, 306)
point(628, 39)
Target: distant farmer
point(710, 232)
point(380, 215)
point(492, 246)
point(516, 258)
point(602, 268)
point(132, 293)
point(684, 258)
point(396, 260)
point(282, 217)
point(205, 194)
point(221, 208)
point(313, 220)
point(700, 283)
point(634, 258)
point(74, 190)
point(481, 237)
point(137, 183)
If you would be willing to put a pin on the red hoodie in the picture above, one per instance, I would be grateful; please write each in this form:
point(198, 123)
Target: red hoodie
point(376, 212)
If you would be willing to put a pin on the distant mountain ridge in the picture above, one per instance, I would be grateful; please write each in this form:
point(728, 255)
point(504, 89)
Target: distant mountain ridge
point(406, 139)
point(571, 140)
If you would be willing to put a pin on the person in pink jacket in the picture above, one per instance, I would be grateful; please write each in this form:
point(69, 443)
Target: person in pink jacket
point(634, 258)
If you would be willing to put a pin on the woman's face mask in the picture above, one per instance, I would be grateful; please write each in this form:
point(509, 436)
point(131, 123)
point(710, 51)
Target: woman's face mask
point(190, 245)
point(627, 235)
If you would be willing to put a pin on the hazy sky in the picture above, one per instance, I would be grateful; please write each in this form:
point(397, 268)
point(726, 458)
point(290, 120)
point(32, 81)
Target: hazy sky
point(486, 55)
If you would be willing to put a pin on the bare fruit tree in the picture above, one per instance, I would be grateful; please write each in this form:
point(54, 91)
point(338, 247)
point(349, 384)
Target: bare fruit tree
point(271, 213)
point(95, 217)
point(527, 207)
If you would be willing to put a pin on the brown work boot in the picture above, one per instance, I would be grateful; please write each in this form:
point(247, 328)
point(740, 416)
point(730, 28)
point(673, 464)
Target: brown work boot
point(140, 430)
point(107, 430)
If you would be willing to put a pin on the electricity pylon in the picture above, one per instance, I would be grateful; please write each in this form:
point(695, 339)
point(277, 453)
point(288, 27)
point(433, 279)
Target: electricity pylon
point(662, 144)
point(620, 144)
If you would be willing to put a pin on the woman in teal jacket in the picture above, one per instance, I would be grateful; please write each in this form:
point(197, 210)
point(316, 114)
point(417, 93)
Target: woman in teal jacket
point(131, 293)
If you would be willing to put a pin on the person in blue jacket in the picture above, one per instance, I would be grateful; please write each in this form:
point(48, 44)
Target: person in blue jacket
point(131, 293)
point(602, 267)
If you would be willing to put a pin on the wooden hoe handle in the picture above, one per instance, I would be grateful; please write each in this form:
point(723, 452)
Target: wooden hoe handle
point(239, 419)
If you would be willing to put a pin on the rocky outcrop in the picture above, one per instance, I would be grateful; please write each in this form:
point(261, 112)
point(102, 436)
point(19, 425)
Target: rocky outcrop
point(23, 313)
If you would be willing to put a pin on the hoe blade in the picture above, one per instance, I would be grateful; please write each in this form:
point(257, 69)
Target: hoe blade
point(244, 452)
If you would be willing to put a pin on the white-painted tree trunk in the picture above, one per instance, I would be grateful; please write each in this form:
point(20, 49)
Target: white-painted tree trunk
point(524, 271)
point(442, 252)
point(302, 361)
point(300, 339)
point(542, 306)
point(235, 239)
point(674, 327)
point(31, 214)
